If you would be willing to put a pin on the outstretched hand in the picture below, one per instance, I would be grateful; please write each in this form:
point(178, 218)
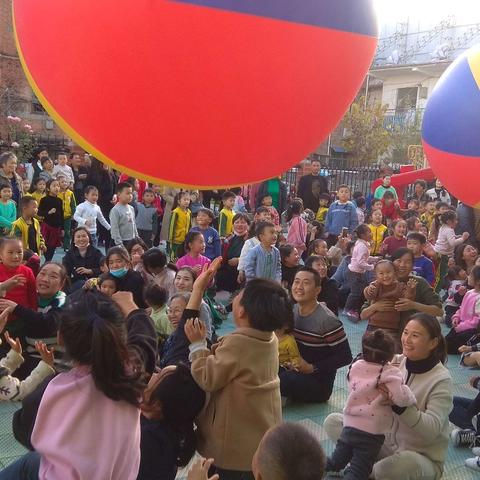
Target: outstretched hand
point(207, 275)
point(14, 343)
point(200, 469)
point(15, 281)
point(45, 353)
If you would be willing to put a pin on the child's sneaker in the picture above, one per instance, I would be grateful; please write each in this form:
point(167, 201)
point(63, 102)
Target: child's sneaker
point(463, 437)
point(352, 315)
point(473, 463)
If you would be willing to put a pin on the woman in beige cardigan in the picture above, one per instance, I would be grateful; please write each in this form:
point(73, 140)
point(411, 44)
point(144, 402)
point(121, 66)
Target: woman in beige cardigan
point(416, 446)
point(241, 376)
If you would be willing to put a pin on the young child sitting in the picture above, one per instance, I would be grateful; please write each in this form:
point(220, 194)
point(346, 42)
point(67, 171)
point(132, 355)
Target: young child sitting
point(366, 416)
point(195, 248)
point(107, 284)
point(263, 261)
point(413, 225)
point(398, 240)
point(23, 289)
point(457, 277)
point(466, 320)
point(244, 367)
point(156, 298)
point(288, 354)
point(12, 388)
point(287, 451)
point(387, 287)
point(422, 266)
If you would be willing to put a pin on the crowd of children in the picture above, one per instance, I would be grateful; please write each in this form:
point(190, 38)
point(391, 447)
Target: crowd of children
point(220, 397)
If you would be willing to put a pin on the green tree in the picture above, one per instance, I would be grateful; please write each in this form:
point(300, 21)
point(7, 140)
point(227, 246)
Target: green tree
point(366, 137)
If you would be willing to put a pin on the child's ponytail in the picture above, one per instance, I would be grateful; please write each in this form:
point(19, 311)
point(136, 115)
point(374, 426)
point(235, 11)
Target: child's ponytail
point(93, 331)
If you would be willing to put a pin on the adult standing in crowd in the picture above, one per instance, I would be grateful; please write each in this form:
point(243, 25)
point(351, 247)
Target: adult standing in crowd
point(438, 193)
point(277, 190)
point(311, 186)
point(419, 191)
point(34, 168)
point(102, 177)
point(385, 187)
point(418, 440)
point(8, 166)
point(80, 173)
point(321, 341)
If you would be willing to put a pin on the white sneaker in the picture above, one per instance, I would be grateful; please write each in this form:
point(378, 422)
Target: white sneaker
point(463, 437)
point(473, 463)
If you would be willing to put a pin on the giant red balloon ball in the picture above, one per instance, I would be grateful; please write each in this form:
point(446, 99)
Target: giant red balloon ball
point(203, 93)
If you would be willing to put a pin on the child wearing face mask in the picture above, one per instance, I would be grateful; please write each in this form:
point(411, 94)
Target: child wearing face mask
point(120, 266)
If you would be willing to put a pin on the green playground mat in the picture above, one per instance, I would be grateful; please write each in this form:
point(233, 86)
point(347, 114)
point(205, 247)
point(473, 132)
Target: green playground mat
point(312, 416)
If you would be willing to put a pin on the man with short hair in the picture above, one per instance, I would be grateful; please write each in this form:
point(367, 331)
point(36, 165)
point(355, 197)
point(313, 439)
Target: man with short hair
point(311, 186)
point(321, 340)
point(385, 187)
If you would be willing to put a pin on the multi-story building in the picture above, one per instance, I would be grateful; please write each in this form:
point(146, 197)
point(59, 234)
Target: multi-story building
point(412, 55)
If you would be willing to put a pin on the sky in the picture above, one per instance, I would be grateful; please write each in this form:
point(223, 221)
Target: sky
point(392, 11)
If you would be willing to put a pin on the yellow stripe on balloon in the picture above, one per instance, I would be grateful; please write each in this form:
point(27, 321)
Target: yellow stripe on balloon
point(474, 63)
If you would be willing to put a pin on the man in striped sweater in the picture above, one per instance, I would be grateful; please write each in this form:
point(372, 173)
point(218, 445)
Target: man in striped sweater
point(321, 340)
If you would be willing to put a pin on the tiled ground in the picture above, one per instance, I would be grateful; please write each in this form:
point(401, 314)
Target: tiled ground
point(311, 416)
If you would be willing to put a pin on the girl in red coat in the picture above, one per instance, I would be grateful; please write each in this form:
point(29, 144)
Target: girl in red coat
point(17, 280)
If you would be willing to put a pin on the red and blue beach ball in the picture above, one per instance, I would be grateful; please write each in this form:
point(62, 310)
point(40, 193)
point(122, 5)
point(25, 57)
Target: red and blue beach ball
point(203, 93)
point(451, 128)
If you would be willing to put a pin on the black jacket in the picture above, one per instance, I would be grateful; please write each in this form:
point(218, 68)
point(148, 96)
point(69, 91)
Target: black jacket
point(309, 189)
point(133, 282)
point(73, 260)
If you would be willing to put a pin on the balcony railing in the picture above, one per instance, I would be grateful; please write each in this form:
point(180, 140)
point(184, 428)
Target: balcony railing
point(404, 119)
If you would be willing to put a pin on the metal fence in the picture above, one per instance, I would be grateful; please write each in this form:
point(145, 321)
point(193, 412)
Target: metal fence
point(358, 179)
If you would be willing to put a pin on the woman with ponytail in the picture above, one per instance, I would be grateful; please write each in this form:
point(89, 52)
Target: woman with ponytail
point(88, 424)
point(418, 435)
point(170, 405)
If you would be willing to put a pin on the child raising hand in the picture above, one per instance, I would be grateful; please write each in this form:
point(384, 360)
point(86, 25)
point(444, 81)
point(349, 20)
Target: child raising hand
point(241, 377)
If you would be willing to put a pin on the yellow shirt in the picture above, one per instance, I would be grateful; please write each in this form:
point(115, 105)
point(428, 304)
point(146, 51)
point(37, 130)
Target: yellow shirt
point(378, 234)
point(321, 214)
point(36, 195)
point(288, 350)
point(180, 223)
point(69, 203)
point(427, 219)
point(225, 222)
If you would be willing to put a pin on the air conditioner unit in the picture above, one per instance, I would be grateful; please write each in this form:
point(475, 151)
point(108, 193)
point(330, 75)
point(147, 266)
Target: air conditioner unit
point(49, 124)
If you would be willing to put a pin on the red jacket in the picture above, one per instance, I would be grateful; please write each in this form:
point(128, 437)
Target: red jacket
point(390, 211)
point(25, 295)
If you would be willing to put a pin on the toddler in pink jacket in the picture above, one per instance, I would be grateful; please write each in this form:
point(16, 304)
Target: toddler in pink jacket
point(367, 414)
